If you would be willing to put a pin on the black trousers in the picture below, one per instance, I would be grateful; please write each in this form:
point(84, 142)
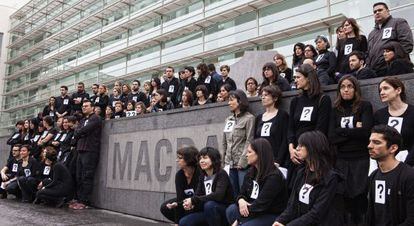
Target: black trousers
point(175, 214)
point(13, 188)
point(85, 172)
point(54, 194)
point(28, 187)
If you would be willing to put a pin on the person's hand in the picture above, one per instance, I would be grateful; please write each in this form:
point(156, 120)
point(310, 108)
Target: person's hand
point(172, 205)
point(277, 224)
point(294, 155)
point(39, 186)
point(4, 177)
point(243, 207)
point(359, 124)
point(187, 204)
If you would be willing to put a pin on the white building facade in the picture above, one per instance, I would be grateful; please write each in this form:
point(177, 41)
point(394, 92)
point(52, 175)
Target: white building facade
point(54, 43)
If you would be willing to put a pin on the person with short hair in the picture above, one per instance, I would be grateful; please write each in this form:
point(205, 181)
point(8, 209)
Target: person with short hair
point(201, 96)
point(162, 102)
point(264, 193)
point(213, 73)
point(78, 97)
point(225, 79)
point(238, 132)
point(314, 194)
point(186, 181)
point(398, 62)
point(95, 93)
point(213, 194)
point(325, 61)
point(391, 186)
point(119, 110)
point(356, 65)
point(9, 171)
point(387, 29)
point(171, 84)
point(282, 67)
point(398, 114)
point(135, 94)
point(63, 103)
point(101, 100)
point(251, 86)
point(187, 83)
point(271, 76)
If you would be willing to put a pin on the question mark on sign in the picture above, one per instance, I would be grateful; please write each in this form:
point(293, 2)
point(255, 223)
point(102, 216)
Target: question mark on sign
point(255, 186)
point(347, 121)
point(306, 189)
point(380, 188)
point(306, 112)
point(394, 123)
point(208, 186)
point(348, 49)
point(387, 31)
point(229, 124)
point(266, 127)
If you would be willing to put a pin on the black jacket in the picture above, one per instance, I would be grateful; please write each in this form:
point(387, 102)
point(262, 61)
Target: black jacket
point(172, 87)
point(399, 67)
point(88, 134)
point(364, 73)
point(228, 81)
point(82, 96)
point(63, 104)
point(61, 179)
point(326, 63)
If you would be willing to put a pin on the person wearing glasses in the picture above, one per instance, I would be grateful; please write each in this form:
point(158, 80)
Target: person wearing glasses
point(387, 29)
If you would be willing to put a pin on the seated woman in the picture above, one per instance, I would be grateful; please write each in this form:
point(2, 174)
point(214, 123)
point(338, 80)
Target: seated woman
point(201, 95)
point(186, 180)
point(54, 189)
point(398, 62)
point(140, 108)
point(264, 192)
point(313, 196)
point(162, 104)
point(213, 195)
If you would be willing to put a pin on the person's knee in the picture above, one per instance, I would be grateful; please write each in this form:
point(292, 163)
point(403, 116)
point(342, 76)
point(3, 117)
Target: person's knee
point(185, 221)
point(210, 206)
point(231, 213)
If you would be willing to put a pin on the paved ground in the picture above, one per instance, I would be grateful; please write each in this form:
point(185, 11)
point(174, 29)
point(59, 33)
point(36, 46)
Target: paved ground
point(13, 212)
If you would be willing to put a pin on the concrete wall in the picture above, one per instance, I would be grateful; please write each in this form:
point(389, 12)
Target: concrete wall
point(137, 161)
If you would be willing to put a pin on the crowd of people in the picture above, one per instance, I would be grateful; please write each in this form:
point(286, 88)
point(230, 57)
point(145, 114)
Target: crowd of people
point(277, 167)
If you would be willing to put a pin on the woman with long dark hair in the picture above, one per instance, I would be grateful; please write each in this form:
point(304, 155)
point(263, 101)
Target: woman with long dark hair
point(264, 193)
point(213, 195)
point(398, 114)
point(186, 180)
point(354, 41)
point(238, 132)
point(50, 108)
point(308, 111)
point(349, 129)
point(204, 78)
point(282, 67)
point(298, 55)
point(273, 124)
point(162, 104)
point(271, 77)
point(398, 62)
point(312, 201)
point(201, 96)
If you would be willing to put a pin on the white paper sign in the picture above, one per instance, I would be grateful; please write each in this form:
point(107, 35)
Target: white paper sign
point(304, 193)
point(255, 190)
point(46, 170)
point(51, 114)
point(282, 74)
point(189, 192)
point(44, 134)
point(131, 113)
point(380, 191)
point(208, 184)
point(63, 137)
point(347, 122)
point(135, 98)
point(15, 166)
point(396, 123)
point(86, 122)
point(15, 136)
point(207, 80)
point(348, 49)
point(171, 89)
point(36, 138)
point(319, 57)
point(97, 100)
point(57, 136)
point(65, 101)
point(229, 126)
point(266, 129)
point(387, 33)
point(284, 171)
point(306, 114)
point(27, 172)
point(227, 169)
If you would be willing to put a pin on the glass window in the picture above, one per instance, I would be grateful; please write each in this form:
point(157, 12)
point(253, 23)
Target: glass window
point(143, 27)
point(184, 10)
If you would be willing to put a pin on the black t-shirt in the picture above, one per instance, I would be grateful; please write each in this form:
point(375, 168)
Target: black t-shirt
point(13, 166)
point(287, 74)
point(45, 171)
point(381, 186)
point(404, 124)
point(275, 131)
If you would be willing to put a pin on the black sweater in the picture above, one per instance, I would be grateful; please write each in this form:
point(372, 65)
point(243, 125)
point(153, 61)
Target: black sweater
point(399, 67)
point(172, 87)
point(88, 134)
point(277, 136)
point(382, 117)
point(320, 209)
point(351, 142)
point(272, 197)
point(31, 170)
point(326, 63)
point(222, 191)
point(319, 118)
point(182, 188)
point(61, 178)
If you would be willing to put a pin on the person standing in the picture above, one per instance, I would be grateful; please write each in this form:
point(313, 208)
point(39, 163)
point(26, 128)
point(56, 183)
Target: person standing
point(88, 136)
point(136, 95)
point(225, 79)
point(387, 29)
point(63, 103)
point(78, 97)
point(391, 186)
point(171, 84)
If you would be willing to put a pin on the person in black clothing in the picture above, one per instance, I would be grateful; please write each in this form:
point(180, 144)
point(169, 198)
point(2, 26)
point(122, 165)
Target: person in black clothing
point(95, 93)
point(273, 125)
point(349, 129)
point(213, 194)
point(102, 100)
point(9, 171)
point(171, 84)
point(162, 104)
point(397, 114)
point(356, 65)
point(282, 67)
point(264, 193)
point(225, 79)
point(186, 99)
point(135, 94)
point(310, 52)
point(63, 103)
point(186, 181)
point(325, 61)
point(115, 97)
point(45, 169)
point(313, 200)
point(188, 82)
point(398, 62)
point(271, 76)
point(16, 137)
point(54, 189)
point(119, 110)
point(354, 41)
point(201, 96)
point(205, 79)
point(64, 142)
point(78, 97)
point(298, 55)
point(26, 132)
point(88, 137)
point(47, 135)
point(391, 186)
point(308, 111)
point(27, 175)
point(50, 109)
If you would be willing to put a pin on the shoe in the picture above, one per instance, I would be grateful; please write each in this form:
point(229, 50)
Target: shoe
point(60, 203)
point(72, 204)
point(80, 206)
